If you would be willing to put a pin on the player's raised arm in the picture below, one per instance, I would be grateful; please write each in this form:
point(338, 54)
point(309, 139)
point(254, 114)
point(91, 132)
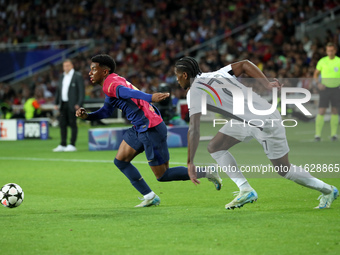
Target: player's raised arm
point(158, 97)
point(249, 68)
point(126, 93)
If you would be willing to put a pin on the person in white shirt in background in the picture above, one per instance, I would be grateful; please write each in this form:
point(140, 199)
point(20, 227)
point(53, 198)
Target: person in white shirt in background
point(69, 98)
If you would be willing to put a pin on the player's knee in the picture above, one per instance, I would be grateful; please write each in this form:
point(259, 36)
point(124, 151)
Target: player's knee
point(211, 147)
point(161, 175)
point(160, 178)
point(120, 164)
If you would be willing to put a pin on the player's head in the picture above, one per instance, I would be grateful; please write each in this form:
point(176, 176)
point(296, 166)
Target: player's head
point(185, 69)
point(330, 50)
point(102, 65)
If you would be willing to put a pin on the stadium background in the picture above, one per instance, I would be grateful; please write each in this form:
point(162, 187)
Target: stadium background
point(79, 203)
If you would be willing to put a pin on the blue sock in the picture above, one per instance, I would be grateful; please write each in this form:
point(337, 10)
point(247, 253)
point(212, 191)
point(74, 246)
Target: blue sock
point(179, 173)
point(133, 175)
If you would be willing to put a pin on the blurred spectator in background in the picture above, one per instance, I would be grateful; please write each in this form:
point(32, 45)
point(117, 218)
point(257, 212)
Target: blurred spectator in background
point(32, 107)
point(69, 98)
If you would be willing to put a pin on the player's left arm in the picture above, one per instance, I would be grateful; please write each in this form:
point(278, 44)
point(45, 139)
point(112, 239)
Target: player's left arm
point(126, 93)
point(249, 68)
point(193, 141)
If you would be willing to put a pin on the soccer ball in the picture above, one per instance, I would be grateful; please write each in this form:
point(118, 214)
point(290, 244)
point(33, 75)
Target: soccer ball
point(11, 195)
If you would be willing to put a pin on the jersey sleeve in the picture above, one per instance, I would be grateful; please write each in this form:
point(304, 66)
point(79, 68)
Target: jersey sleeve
point(104, 112)
point(126, 93)
point(194, 100)
point(226, 71)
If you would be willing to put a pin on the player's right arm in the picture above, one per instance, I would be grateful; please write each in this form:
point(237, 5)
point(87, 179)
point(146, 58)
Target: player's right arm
point(81, 113)
point(104, 112)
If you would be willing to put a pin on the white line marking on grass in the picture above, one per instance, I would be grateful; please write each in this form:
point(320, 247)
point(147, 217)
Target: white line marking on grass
point(76, 160)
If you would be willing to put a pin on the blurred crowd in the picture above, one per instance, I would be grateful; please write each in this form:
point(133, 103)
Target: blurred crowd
point(146, 37)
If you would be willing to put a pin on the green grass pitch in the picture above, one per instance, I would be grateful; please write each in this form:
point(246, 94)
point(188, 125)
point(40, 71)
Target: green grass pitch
point(80, 203)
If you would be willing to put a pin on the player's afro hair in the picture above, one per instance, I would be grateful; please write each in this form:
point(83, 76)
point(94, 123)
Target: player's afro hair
point(105, 60)
point(188, 65)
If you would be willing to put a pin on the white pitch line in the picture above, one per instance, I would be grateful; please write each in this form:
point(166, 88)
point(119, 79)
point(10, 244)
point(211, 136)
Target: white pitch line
point(76, 160)
point(96, 161)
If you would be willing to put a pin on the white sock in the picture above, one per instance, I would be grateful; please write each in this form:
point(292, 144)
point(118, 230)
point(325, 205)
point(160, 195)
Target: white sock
point(304, 178)
point(225, 159)
point(149, 195)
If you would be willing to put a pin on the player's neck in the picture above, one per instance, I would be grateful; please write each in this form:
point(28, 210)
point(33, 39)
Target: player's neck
point(102, 83)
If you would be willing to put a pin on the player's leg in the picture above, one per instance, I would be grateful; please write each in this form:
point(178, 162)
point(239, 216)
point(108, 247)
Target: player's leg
point(218, 148)
point(228, 136)
point(164, 173)
point(154, 142)
point(300, 176)
point(128, 149)
point(157, 153)
point(276, 148)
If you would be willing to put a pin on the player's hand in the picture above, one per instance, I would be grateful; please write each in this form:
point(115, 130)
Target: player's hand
point(321, 86)
point(157, 97)
point(275, 84)
point(81, 113)
point(192, 174)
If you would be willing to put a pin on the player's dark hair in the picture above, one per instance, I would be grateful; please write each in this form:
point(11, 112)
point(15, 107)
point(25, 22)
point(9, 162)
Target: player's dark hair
point(188, 65)
point(105, 60)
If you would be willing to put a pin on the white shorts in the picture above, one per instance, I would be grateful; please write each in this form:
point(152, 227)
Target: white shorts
point(272, 137)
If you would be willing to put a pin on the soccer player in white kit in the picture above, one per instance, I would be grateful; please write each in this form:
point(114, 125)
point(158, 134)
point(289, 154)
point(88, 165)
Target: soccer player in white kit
point(223, 85)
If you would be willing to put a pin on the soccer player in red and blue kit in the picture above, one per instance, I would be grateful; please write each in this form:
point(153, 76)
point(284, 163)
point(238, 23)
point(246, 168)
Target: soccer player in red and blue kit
point(149, 133)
